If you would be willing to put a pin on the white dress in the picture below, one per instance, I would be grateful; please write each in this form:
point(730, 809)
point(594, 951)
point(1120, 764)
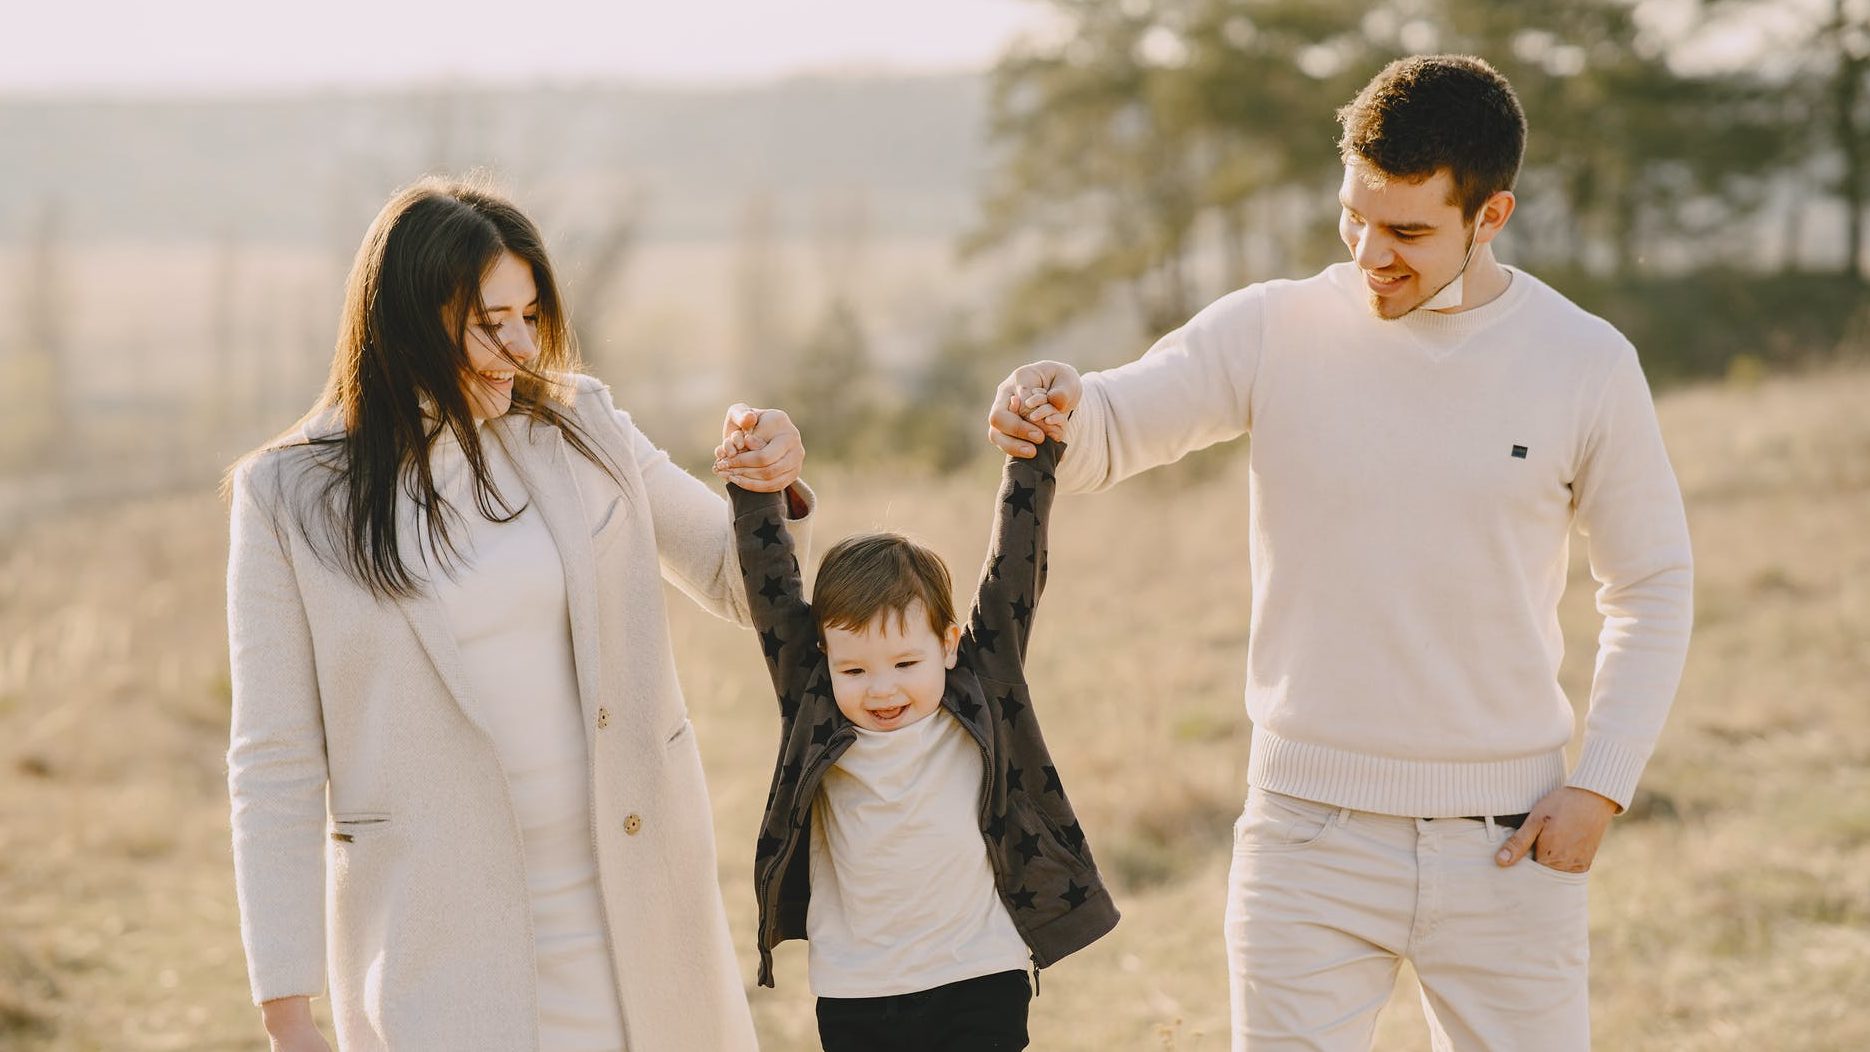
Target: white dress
point(505, 603)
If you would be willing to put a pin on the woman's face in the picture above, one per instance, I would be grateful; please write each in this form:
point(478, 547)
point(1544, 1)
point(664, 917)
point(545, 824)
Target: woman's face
point(511, 319)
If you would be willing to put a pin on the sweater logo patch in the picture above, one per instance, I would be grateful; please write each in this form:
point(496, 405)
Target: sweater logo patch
point(1520, 452)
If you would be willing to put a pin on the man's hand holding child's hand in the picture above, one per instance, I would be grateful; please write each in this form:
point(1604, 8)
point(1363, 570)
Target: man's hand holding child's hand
point(1034, 404)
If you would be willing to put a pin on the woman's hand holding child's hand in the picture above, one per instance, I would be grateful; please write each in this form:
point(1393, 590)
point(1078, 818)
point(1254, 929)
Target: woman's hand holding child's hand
point(760, 450)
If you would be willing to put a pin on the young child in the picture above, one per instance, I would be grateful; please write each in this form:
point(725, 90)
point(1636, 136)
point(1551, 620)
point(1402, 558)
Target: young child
point(917, 833)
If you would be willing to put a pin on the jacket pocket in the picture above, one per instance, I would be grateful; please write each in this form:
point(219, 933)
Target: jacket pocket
point(1040, 857)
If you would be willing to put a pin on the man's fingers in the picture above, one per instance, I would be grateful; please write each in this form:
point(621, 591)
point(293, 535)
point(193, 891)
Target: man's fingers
point(1004, 422)
point(1009, 445)
point(1520, 842)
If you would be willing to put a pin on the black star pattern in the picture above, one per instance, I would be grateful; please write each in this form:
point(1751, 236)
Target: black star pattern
point(794, 560)
point(810, 657)
point(768, 845)
point(771, 642)
point(789, 773)
point(1010, 708)
point(1021, 611)
point(993, 568)
point(1014, 777)
point(968, 708)
point(774, 589)
point(984, 638)
point(822, 732)
point(1028, 847)
point(1074, 835)
point(788, 706)
point(1052, 784)
point(1021, 498)
point(1022, 899)
point(768, 533)
point(1074, 895)
point(995, 827)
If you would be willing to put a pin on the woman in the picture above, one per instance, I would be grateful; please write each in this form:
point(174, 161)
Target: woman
point(464, 785)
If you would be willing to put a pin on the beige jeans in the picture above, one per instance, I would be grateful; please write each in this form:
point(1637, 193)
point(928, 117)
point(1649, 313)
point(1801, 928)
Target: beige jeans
point(1324, 903)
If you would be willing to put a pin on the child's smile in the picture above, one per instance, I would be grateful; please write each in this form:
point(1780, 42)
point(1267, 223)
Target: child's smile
point(891, 673)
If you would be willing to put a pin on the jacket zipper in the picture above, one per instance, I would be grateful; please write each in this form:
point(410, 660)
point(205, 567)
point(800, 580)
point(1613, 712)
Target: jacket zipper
point(808, 779)
point(993, 857)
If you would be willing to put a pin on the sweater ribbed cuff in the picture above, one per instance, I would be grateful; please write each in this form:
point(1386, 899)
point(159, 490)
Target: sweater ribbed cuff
point(1087, 469)
point(1609, 768)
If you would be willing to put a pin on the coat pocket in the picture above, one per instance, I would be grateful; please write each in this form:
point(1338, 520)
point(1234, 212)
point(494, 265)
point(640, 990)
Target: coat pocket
point(349, 827)
point(609, 523)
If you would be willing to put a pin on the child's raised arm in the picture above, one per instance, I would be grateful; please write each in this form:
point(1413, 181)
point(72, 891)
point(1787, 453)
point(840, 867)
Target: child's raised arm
point(1010, 583)
point(769, 571)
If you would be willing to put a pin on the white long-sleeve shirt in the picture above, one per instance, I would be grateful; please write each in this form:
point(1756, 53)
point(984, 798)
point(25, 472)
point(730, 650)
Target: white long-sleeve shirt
point(1412, 487)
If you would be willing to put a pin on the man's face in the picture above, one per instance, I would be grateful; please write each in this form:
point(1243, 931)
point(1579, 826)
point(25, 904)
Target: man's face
point(1407, 238)
point(891, 673)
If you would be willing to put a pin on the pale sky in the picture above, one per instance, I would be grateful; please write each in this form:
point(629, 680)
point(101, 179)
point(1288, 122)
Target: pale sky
point(61, 45)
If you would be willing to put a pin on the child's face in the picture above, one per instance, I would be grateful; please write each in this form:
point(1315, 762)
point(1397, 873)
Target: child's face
point(891, 673)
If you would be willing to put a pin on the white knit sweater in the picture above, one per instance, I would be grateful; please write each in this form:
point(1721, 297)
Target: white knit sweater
point(1412, 487)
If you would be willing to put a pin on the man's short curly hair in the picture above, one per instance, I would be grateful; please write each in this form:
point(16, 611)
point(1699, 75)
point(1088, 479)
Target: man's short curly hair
point(1430, 112)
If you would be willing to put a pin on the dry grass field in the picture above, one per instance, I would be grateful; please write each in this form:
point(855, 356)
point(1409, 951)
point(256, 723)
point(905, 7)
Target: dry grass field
point(1730, 909)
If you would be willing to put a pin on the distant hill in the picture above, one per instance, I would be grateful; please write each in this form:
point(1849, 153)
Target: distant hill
point(311, 169)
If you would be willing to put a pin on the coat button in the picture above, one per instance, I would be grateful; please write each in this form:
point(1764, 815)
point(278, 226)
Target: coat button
point(603, 718)
point(633, 824)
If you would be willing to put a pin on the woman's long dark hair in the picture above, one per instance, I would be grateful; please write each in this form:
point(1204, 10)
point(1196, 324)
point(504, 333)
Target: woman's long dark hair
point(399, 377)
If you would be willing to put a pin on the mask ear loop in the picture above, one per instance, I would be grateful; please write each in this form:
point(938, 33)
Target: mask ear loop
point(1434, 302)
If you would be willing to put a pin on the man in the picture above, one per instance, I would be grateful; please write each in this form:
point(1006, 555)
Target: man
point(1426, 424)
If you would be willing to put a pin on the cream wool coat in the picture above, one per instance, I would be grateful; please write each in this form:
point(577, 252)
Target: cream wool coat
point(374, 838)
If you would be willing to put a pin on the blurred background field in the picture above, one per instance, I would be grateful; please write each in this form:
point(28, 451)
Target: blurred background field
point(873, 248)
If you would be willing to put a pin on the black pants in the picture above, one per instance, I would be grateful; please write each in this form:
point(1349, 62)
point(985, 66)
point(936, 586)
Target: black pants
point(973, 1015)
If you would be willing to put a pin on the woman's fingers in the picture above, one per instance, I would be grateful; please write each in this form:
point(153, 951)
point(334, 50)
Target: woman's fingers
point(740, 417)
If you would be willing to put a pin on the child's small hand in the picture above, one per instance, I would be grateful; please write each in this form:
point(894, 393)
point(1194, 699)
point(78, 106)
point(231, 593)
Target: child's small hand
point(735, 443)
point(1035, 405)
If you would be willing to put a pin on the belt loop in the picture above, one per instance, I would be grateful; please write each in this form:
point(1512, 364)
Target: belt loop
point(1343, 817)
point(1492, 830)
point(1035, 977)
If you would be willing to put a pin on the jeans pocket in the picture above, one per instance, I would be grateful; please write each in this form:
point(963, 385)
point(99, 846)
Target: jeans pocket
point(1563, 875)
point(1274, 822)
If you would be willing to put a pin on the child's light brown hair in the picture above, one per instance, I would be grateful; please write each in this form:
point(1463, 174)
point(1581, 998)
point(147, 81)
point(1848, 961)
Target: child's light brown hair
point(868, 574)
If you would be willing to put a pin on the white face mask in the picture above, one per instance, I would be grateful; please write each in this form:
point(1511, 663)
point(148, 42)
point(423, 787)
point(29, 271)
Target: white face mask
point(1450, 294)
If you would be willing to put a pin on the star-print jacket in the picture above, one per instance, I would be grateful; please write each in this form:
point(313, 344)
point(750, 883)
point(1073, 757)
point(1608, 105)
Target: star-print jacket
point(1041, 862)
